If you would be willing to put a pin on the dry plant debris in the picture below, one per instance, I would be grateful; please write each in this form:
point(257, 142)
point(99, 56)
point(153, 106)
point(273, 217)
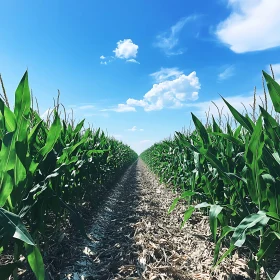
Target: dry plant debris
point(133, 237)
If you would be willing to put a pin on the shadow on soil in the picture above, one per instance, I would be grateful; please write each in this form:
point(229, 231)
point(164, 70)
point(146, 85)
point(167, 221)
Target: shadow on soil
point(112, 254)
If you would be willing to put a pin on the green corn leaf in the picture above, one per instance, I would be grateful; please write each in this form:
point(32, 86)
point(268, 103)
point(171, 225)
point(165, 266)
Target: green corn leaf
point(274, 91)
point(7, 164)
point(273, 216)
point(22, 99)
point(202, 205)
point(225, 231)
point(52, 137)
point(173, 205)
point(78, 127)
point(237, 131)
point(227, 253)
point(215, 210)
point(253, 155)
point(9, 117)
point(7, 184)
point(216, 128)
point(268, 179)
point(12, 226)
point(271, 126)
point(20, 170)
point(21, 111)
point(201, 129)
point(33, 133)
point(176, 200)
point(230, 138)
point(187, 215)
point(256, 144)
point(215, 162)
point(241, 119)
point(252, 222)
point(187, 194)
point(75, 218)
point(268, 245)
point(35, 261)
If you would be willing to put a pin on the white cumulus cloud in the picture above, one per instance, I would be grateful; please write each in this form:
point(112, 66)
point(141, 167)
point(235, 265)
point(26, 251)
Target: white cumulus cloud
point(169, 93)
point(253, 25)
point(126, 49)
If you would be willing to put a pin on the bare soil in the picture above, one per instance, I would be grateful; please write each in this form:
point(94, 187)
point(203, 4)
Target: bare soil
point(133, 237)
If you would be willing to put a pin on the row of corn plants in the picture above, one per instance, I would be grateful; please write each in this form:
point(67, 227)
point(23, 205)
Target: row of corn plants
point(47, 168)
point(233, 175)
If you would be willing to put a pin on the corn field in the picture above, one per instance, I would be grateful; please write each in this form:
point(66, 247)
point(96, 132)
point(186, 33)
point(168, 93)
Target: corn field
point(231, 175)
point(47, 168)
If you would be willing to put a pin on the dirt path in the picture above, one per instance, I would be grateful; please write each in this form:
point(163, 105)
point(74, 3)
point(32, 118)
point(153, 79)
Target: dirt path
point(135, 238)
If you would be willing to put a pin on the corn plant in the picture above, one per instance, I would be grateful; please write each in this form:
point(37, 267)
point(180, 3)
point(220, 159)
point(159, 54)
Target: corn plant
point(47, 168)
point(231, 174)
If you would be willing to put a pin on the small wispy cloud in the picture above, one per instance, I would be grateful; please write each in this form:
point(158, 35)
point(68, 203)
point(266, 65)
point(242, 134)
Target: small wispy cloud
point(121, 108)
point(134, 128)
point(86, 107)
point(106, 60)
point(104, 115)
point(132, 60)
point(169, 40)
point(165, 74)
point(226, 73)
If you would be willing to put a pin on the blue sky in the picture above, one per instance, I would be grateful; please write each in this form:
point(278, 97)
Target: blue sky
point(138, 68)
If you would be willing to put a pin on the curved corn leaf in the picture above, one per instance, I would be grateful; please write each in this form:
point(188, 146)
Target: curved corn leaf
point(274, 91)
point(187, 215)
point(241, 119)
point(252, 222)
point(35, 261)
point(12, 226)
point(215, 210)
